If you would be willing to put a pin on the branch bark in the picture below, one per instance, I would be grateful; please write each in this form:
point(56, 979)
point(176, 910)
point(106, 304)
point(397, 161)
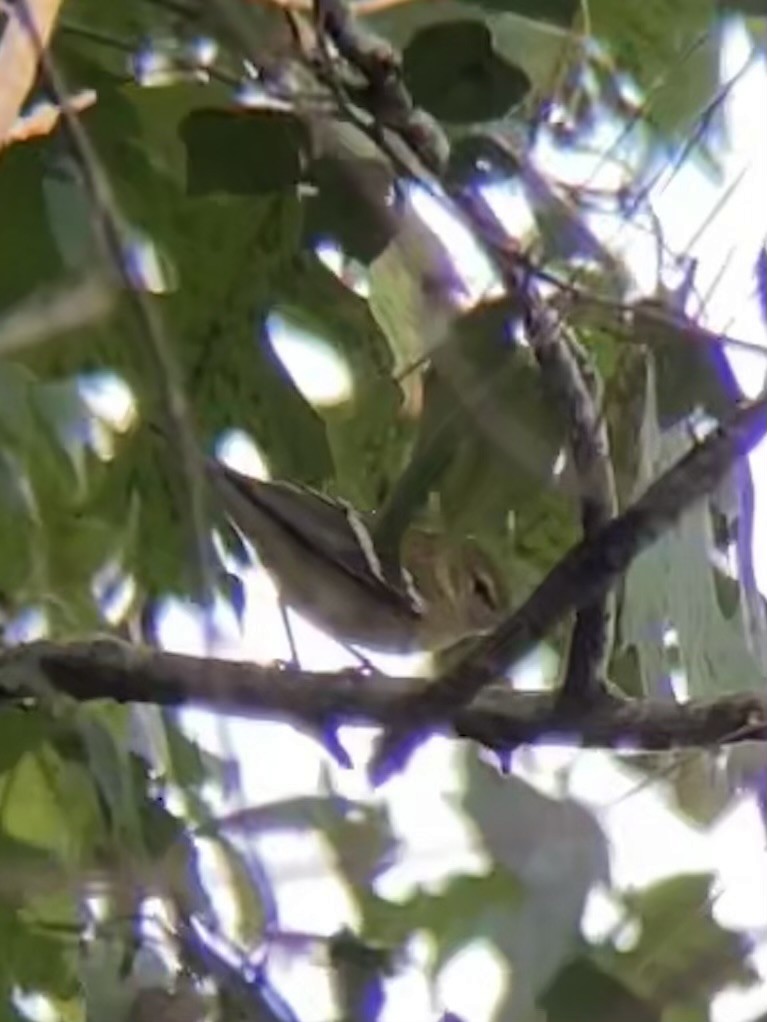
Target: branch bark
point(571, 377)
point(499, 717)
point(586, 572)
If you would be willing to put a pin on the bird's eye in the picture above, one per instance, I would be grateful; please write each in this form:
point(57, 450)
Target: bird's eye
point(483, 588)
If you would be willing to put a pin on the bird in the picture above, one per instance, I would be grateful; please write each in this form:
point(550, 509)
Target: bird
point(321, 554)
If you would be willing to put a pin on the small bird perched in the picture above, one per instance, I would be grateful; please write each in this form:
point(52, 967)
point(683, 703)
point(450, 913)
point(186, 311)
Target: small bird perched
point(326, 566)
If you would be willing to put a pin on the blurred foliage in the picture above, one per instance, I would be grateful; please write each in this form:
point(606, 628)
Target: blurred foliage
point(216, 204)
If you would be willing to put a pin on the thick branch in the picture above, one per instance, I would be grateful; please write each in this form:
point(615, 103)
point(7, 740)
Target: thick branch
point(498, 717)
point(586, 572)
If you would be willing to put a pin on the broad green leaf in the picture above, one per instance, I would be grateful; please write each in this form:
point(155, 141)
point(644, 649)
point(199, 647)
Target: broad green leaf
point(507, 430)
point(462, 910)
point(366, 432)
point(674, 584)
point(224, 254)
point(70, 216)
point(671, 47)
point(489, 429)
point(159, 737)
point(104, 733)
point(26, 232)
point(35, 960)
point(557, 852)
point(359, 835)
point(682, 955)
point(688, 360)
point(413, 291)
point(533, 47)
point(52, 550)
point(583, 992)
point(751, 8)
point(453, 72)
point(51, 803)
point(701, 785)
point(263, 149)
point(350, 204)
point(560, 12)
point(21, 732)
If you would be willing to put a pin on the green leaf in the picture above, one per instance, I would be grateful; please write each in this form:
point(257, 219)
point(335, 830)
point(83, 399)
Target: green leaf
point(34, 960)
point(224, 253)
point(349, 204)
point(50, 802)
point(412, 291)
point(107, 990)
point(104, 732)
point(583, 992)
point(671, 47)
point(366, 431)
point(557, 852)
point(533, 48)
point(674, 583)
point(21, 732)
point(464, 909)
point(559, 12)
point(506, 429)
point(688, 361)
point(25, 224)
point(681, 956)
point(263, 151)
point(453, 71)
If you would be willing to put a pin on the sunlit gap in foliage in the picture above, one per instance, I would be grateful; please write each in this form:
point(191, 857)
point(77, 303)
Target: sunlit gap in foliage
point(253, 96)
point(114, 591)
point(238, 449)
point(172, 60)
point(148, 269)
point(35, 1006)
point(110, 401)
point(471, 265)
point(27, 626)
point(491, 973)
point(348, 270)
point(321, 375)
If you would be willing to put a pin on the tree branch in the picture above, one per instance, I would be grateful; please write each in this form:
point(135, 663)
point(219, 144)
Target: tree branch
point(565, 367)
point(499, 717)
point(571, 377)
point(584, 574)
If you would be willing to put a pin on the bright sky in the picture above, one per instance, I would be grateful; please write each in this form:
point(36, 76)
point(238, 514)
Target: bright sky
point(647, 840)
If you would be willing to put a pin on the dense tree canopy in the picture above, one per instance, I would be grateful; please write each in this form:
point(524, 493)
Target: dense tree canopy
point(453, 205)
